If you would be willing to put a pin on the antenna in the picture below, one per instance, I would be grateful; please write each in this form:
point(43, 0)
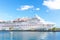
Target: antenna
point(38, 17)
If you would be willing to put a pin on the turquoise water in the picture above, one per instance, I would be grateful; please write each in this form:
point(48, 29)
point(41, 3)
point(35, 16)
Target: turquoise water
point(29, 35)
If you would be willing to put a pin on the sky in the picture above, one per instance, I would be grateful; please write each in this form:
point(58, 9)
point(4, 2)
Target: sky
point(49, 10)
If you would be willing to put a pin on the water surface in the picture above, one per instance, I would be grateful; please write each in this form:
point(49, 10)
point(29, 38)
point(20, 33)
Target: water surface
point(29, 35)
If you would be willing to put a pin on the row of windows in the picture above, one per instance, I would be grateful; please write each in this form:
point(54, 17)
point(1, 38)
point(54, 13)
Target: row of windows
point(24, 25)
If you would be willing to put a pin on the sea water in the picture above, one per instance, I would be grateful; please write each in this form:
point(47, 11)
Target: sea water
point(29, 35)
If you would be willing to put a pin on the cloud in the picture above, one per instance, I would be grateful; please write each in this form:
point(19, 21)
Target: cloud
point(27, 7)
point(37, 8)
point(47, 10)
point(52, 4)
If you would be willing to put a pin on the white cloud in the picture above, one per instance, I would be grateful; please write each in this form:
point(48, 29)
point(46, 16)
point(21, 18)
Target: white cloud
point(47, 10)
point(25, 7)
point(37, 8)
point(52, 4)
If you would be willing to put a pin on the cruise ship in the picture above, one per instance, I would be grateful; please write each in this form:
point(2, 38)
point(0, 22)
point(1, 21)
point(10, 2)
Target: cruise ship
point(26, 23)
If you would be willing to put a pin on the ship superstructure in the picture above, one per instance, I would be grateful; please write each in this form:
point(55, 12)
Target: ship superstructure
point(35, 23)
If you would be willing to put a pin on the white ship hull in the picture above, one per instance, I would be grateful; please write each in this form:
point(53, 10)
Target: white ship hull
point(35, 23)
